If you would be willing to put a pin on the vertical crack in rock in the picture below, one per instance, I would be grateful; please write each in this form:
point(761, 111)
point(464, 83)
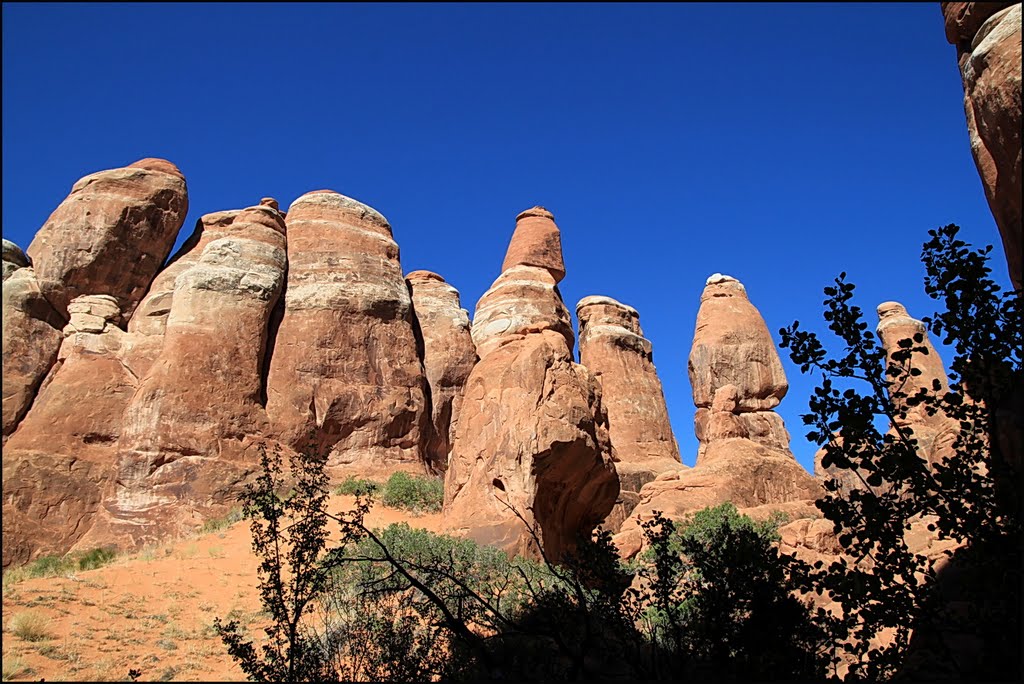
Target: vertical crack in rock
point(445, 345)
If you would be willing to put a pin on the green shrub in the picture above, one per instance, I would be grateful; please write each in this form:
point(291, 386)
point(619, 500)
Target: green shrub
point(414, 493)
point(96, 558)
point(353, 486)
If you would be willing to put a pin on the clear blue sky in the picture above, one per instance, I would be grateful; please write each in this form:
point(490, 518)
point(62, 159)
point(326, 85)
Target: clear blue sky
point(780, 144)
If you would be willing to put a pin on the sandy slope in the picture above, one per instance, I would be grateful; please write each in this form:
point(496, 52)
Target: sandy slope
point(152, 611)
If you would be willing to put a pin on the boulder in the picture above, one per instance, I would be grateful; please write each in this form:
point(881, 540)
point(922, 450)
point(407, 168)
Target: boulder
point(531, 454)
point(732, 346)
point(345, 372)
point(988, 40)
point(111, 234)
point(448, 358)
point(613, 348)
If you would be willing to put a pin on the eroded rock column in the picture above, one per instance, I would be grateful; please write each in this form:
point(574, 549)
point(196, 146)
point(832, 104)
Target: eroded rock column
point(532, 438)
point(613, 348)
point(448, 358)
point(345, 370)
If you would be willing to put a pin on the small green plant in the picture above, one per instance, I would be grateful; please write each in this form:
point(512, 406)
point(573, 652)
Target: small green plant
point(414, 493)
point(353, 486)
point(97, 558)
point(30, 626)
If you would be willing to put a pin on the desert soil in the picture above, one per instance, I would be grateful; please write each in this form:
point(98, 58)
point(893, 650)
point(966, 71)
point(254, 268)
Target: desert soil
point(152, 611)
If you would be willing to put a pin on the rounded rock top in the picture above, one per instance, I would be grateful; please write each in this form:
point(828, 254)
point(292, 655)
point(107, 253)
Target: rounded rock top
point(718, 278)
point(335, 199)
point(890, 309)
point(537, 211)
point(157, 164)
point(599, 300)
point(424, 275)
point(270, 202)
point(14, 254)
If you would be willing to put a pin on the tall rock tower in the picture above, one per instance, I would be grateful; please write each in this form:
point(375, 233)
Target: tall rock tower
point(531, 447)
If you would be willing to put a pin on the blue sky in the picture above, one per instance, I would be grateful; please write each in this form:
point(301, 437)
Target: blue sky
point(780, 144)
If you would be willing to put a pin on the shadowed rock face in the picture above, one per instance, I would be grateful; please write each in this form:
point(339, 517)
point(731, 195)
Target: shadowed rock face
point(189, 432)
point(448, 358)
point(31, 340)
point(987, 36)
point(111, 235)
point(613, 348)
point(345, 367)
point(532, 434)
point(744, 455)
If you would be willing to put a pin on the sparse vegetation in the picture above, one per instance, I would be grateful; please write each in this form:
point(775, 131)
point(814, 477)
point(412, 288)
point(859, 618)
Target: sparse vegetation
point(30, 626)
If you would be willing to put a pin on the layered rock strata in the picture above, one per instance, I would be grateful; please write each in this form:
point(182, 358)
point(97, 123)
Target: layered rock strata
point(987, 36)
point(531, 446)
point(192, 430)
point(345, 375)
point(613, 348)
point(448, 358)
point(111, 234)
point(744, 455)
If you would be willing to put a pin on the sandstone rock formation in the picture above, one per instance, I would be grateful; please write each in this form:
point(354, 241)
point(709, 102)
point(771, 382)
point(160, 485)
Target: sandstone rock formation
point(613, 348)
point(448, 357)
point(987, 36)
point(345, 368)
point(744, 456)
point(57, 464)
point(111, 235)
point(532, 435)
point(31, 340)
point(13, 258)
point(190, 432)
point(735, 371)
